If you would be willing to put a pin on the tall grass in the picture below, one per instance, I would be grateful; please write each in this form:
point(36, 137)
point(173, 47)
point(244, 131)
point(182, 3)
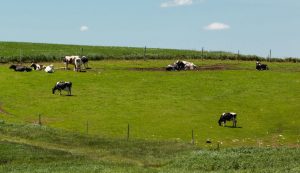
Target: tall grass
point(28, 52)
point(32, 148)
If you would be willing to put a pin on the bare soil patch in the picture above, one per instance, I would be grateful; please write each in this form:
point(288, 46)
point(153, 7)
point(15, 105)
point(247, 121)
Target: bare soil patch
point(199, 68)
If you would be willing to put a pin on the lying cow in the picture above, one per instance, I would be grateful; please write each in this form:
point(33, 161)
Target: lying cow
point(181, 65)
point(67, 86)
point(37, 66)
point(20, 68)
point(260, 66)
point(76, 61)
point(231, 116)
point(49, 69)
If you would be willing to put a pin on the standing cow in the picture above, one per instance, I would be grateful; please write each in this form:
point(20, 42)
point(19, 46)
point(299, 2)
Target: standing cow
point(85, 61)
point(76, 61)
point(230, 116)
point(67, 86)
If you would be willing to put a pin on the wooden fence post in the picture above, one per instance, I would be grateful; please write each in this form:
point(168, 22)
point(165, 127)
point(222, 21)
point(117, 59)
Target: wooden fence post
point(40, 120)
point(145, 50)
point(87, 127)
point(202, 51)
point(193, 140)
point(128, 129)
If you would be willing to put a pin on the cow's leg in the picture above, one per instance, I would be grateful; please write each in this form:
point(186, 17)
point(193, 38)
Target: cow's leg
point(224, 123)
point(234, 122)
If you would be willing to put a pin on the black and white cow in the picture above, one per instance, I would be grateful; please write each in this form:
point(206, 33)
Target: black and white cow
point(49, 69)
point(230, 116)
point(181, 65)
point(67, 86)
point(77, 61)
point(37, 66)
point(20, 68)
point(260, 66)
point(85, 61)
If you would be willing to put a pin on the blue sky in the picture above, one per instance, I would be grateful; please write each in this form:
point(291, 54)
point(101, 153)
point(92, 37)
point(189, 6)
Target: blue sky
point(251, 26)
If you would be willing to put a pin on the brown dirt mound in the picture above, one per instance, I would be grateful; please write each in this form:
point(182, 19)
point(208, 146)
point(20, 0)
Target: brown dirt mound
point(199, 68)
point(217, 67)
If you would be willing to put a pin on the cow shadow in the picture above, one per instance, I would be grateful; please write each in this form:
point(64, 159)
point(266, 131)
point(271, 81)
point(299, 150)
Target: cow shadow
point(69, 95)
point(237, 127)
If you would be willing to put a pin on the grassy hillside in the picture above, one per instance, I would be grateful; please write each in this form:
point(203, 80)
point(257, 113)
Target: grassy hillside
point(27, 52)
point(162, 105)
point(31, 148)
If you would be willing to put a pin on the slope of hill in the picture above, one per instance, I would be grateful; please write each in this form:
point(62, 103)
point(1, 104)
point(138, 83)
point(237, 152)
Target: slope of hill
point(33, 148)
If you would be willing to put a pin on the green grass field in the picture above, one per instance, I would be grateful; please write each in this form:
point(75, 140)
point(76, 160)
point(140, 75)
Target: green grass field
point(162, 105)
point(162, 108)
point(32, 148)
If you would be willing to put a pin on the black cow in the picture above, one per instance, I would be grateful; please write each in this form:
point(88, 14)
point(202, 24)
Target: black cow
point(231, 116)
point(67, 86)
point(260, 66)
point(20, 68)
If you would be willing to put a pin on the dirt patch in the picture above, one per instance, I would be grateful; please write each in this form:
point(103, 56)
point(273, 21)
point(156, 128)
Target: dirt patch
point(217, 67)
point(199, 68)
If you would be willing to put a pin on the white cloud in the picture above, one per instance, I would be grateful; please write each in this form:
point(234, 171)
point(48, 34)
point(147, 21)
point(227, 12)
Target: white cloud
point(84, 28)
point(217, 26)
point(175, 3)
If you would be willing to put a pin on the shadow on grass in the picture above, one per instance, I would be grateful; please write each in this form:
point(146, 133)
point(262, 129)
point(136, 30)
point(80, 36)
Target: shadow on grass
point(69, 95)
point(237, 127)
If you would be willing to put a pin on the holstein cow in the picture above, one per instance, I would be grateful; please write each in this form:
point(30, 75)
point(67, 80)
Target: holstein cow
point(20, 68)
point(49, 69)
point(181, 65)
point(67, 86)
point(231, 116)
point(76, 61)
point(85, 61)
point(189, 65)
point(260, 66)
point(37, 66)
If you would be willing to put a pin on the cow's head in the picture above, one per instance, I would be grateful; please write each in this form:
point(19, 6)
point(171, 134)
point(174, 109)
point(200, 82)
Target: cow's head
point(13, 67)
point(219, 122)
point(34, 66)
point(53, 90)
point(64, 59)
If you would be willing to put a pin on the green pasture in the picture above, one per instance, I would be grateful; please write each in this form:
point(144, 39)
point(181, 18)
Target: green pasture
point(160, 105)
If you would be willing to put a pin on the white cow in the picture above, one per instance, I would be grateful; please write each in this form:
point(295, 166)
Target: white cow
point(49, 69)
point(189, 65)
